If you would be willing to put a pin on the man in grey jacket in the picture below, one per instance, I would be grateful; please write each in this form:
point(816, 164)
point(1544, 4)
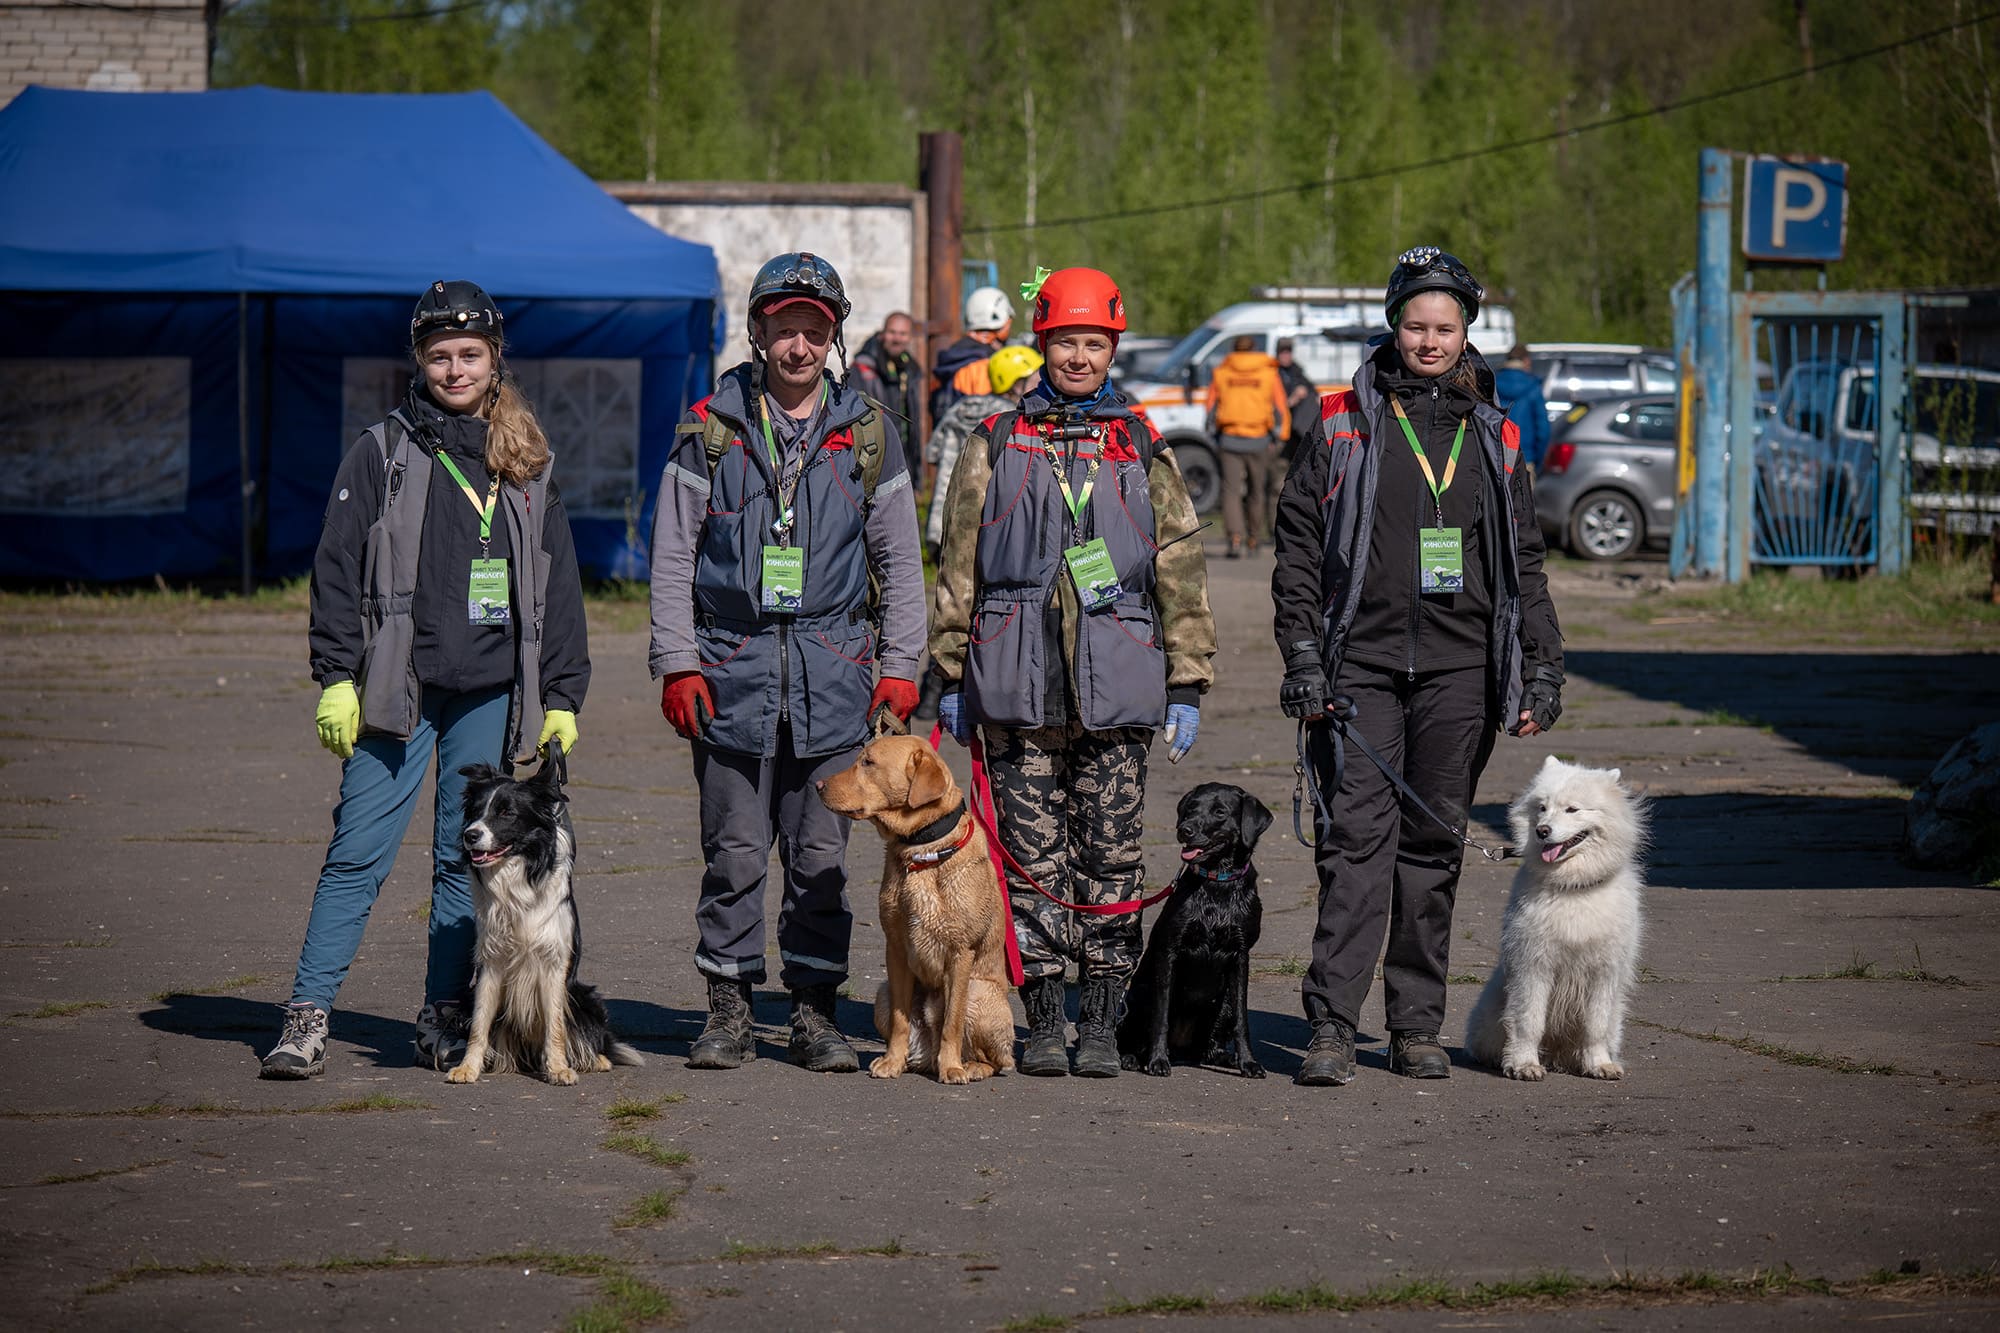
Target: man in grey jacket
point(786, 571)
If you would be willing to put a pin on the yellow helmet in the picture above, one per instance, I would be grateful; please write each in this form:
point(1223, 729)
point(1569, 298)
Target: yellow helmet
point(1010, 365)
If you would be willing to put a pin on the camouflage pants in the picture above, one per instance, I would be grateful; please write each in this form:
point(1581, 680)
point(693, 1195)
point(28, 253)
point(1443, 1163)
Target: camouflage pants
point(1071, 805)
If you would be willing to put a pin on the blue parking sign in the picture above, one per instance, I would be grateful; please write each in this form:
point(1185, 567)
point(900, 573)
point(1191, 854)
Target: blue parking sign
point(1794, 210)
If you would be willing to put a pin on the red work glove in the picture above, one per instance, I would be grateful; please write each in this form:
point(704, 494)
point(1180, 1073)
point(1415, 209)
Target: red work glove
point(897, 695)
point(686, 702)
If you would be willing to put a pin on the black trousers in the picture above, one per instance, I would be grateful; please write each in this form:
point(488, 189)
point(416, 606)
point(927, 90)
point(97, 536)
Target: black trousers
point(1383, 863)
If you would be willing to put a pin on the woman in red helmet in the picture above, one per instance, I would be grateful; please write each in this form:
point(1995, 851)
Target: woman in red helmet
point(1070, 624)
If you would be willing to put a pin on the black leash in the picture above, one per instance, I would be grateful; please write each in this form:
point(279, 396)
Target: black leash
point(1307, 781)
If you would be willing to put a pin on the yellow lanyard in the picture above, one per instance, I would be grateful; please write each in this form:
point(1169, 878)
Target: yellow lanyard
point(485, 511)
point(1077, 502)
point(1450, 467)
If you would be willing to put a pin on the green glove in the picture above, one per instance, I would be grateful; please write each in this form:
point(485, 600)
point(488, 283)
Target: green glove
point(339, 718)
point(561, 724)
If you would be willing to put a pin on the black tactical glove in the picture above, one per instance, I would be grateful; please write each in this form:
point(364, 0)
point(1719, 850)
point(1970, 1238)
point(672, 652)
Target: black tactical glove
point(1542, 698)
point(1303, 694)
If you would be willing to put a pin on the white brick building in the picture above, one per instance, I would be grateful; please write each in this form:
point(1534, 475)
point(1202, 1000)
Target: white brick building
point(115, 45)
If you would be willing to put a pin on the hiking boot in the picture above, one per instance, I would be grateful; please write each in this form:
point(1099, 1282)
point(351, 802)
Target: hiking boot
point(443, 1032)
point(816, 1042)
point(726, 1040)
point(1097, 1028)
point(1418, 1055)
point(928, 695)
point(301, 1048)
point(1329, 1059)
point(1043, 1053)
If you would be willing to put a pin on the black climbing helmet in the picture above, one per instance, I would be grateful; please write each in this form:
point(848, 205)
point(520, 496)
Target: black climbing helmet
point(800, 276)
point(457, 306)
point(1429, 269)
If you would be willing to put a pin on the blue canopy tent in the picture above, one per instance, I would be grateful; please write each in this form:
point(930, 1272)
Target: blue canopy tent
point(203, 296)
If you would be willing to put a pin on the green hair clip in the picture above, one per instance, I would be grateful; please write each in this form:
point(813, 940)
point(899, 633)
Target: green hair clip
point(1033, 287)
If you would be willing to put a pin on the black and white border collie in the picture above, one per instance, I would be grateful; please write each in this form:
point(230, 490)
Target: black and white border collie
point(529, 1011)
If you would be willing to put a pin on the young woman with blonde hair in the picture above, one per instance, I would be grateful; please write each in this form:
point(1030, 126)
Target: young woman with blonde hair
point(447, 619)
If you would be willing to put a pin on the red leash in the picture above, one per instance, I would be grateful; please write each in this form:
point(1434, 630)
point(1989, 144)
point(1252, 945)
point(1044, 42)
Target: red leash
point(1016, 976)
point(986, 813)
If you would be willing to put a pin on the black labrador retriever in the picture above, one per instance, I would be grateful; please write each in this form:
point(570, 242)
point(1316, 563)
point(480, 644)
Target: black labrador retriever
point(1190, 998)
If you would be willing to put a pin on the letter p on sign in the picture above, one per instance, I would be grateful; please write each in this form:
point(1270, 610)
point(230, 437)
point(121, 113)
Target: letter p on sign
point(1794, 211)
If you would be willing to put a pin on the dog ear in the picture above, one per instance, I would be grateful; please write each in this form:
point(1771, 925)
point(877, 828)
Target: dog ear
point(929, 778)
point(479, 772)
point(1254, 817)
point(1612, 774)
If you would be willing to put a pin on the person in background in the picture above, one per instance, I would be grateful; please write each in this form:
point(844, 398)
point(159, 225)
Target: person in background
point(445, 520)
point(784, 504)
point(1250, 418)
point(886, 370)
point(1071, 623)
point(1409, 599)
point(1011, 372)
point(1518, 390)
point(960, 368)
point(1301, 396)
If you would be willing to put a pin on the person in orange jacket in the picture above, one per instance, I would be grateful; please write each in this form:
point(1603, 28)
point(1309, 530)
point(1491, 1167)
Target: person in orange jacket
point(1250, 419)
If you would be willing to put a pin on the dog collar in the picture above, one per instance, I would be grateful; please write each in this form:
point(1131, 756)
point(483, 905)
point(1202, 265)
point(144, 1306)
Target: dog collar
point(936, 829)
point(1221, 876)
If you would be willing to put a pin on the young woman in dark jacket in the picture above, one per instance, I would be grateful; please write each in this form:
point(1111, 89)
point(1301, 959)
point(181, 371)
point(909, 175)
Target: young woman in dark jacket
point(1408, 582)
point(447, 618)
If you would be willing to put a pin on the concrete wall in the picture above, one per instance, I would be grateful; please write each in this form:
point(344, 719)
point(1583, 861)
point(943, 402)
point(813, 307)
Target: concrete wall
point(109, 45)
point(871, 234)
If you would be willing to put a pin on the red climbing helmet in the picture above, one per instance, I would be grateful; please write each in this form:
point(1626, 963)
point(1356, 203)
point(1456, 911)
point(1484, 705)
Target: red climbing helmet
point(1079, 296)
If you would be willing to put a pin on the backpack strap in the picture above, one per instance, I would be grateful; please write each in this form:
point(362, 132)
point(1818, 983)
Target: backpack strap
point(871, 442)
point(392, 436)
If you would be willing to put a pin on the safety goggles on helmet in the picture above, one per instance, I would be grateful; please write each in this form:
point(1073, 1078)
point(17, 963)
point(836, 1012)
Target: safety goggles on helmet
point(456, 306)
point(1429, 269)
point(1079, 297)
point(799, 277)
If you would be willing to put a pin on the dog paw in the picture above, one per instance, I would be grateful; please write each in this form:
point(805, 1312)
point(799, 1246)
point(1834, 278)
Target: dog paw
point(1160, 1067)
point(1606, 1069)
point(1127, 1060)
point(1250, 1069)
point(562, 1076)
point(883, 1066)
point(602, 1065)
point(954, 1074)
point(465, 1072)
point(1528, 1071)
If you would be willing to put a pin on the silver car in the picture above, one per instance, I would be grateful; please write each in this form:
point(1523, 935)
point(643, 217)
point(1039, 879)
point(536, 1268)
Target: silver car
point(1605, 488)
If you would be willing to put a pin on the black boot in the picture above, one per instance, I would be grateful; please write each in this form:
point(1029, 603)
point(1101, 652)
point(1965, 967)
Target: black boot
point(816, 1042)
point(726, 1040)
point(929, 692)
point(1043, 1053)
point(1097, 1028)
point(1329, 1059)
point(1418, 1055)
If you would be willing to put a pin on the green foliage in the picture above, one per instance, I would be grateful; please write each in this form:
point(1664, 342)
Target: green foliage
point(1298, 112)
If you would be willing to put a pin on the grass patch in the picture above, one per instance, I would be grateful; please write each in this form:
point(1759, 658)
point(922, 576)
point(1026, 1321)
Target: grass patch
point(244, 982)
point(63, 1009)
point(647, 1210)
point(646, 1148)
point(1861, 969)
point(1727, 717)
point(210, 1110)
point(1036, 1323)
point(1463, 979)
point(100, 943)
point(744, 1252)
point(623, 1302)
point(637, 1108)
point(80, 1177)
point(1169, 1304)
point(1293, 966)
point(1839, 1064)
point(1936, 594)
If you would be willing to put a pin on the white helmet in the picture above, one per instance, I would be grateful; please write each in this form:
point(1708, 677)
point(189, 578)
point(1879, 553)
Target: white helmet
point(987, 310)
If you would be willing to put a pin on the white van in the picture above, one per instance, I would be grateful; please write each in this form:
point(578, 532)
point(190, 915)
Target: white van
point(1329, 328)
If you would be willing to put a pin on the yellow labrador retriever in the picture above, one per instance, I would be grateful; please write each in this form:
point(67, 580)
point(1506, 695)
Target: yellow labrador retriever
point(944, 1008)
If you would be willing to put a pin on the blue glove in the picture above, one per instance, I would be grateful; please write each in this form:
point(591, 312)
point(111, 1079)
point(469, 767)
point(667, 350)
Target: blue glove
point(1183, 725)
point(951, 713)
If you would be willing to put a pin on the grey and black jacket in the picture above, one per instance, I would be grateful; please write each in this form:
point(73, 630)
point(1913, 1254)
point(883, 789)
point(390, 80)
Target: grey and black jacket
point(814, 669)
point(1329, 512)
point(388, 592)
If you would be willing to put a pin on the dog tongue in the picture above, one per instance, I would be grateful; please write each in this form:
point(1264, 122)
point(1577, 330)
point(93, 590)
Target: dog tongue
point(1191, 853)
point(1553, 853)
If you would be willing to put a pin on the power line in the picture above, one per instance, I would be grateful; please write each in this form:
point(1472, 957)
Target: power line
point(1470, 154)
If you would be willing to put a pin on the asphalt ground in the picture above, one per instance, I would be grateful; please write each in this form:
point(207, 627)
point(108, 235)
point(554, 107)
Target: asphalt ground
point(1789, 1149)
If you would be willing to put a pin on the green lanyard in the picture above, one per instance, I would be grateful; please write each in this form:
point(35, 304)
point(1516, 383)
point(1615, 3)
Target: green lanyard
point(1077, 502)
point(783, 526)
point(485, 510)
point(1450, 468)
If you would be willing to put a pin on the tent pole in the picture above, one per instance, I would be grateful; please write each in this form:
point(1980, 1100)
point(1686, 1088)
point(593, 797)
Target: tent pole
point(243, 429)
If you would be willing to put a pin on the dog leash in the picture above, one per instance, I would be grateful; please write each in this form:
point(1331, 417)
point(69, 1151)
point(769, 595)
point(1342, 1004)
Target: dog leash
point(1307, 781)
point(1017, 976)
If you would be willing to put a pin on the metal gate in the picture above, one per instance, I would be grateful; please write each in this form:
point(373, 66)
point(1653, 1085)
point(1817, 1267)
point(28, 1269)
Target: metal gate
point(1817, 387)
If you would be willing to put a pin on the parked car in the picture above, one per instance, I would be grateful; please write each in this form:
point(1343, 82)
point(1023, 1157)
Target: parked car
point(1606, 484)
point(1575, 373)
point(1330, 329)
point(1137, 357)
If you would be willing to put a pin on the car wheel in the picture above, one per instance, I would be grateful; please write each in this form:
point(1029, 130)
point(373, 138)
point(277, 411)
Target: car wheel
point(1199, 471)
point(1606, 525)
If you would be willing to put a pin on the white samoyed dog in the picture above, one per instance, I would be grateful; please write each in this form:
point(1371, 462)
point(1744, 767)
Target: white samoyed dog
point(1569, 942)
